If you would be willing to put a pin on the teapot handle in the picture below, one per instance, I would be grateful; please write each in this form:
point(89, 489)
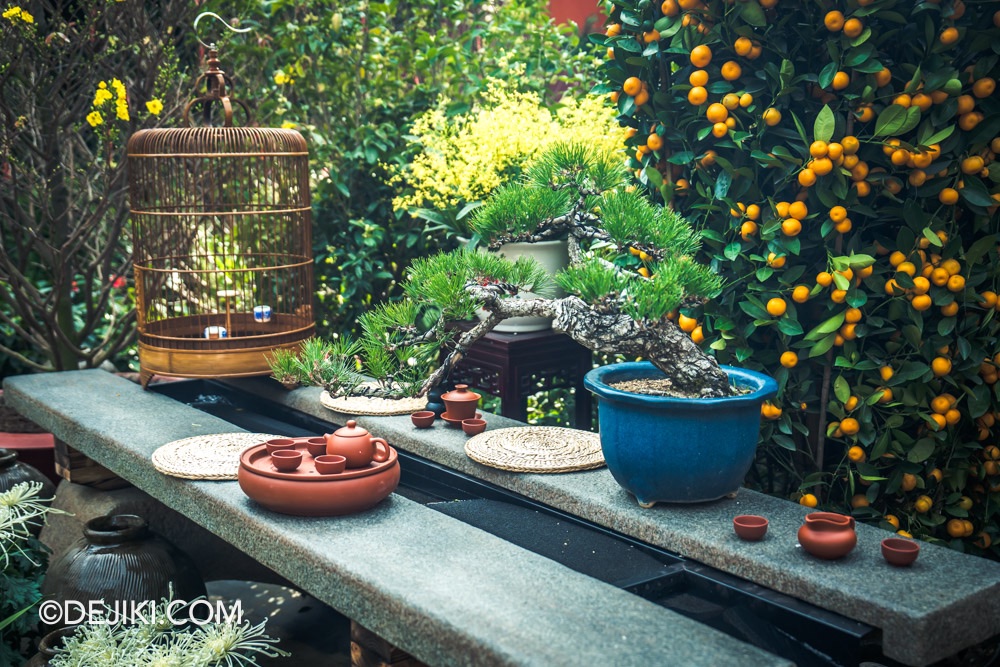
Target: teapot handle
point(381, 450)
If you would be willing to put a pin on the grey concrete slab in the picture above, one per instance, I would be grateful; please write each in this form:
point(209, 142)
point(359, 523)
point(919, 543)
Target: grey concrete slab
point(447, 593)
point(945, 602)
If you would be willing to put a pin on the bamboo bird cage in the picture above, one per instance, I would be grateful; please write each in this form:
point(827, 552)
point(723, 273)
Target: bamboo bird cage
point(222, 242)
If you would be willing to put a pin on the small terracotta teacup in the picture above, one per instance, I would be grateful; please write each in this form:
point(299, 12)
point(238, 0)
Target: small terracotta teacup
point(330, 464)
point(899, 551)
point(279, 443)
point(750, 527)
point(473, 426)
point(286, 460)
point(316, 446)
point(423, 419)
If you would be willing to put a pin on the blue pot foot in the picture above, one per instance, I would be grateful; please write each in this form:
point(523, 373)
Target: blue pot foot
point(732, 494)
point(645, 505)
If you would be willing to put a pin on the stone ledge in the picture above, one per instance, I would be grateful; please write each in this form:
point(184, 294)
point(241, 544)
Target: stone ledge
point(921, 619)
point(443, 591)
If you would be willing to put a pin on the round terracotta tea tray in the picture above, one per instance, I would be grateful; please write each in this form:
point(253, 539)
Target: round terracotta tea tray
point(257, 460)
point(305, 492)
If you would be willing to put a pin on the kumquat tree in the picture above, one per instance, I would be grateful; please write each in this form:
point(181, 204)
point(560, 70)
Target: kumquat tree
point(840, 157)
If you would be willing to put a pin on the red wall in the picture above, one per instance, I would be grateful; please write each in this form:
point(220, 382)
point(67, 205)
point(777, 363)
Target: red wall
point(577, 10)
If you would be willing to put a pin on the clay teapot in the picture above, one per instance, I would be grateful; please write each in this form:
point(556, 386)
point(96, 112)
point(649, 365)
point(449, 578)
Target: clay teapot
point(356, 445)
point(828, 535)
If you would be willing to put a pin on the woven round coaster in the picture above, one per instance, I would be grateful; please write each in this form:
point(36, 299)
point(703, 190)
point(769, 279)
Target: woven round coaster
point(537, 449)
point(206, 456)
point(366, 405)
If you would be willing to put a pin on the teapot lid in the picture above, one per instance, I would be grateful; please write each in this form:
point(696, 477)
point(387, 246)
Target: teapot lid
point(461, 393)
point(352, 430)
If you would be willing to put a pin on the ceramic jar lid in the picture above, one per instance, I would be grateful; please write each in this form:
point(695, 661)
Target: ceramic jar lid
point(8, 457)
point(352, 430)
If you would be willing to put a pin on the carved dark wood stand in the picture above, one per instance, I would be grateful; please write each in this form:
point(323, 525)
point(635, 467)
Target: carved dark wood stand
point(514, 366)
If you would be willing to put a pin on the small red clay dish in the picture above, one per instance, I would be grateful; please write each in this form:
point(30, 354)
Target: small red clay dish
point(457, 423)
point(286, 460)
point(750, 527)
point(279, 443)
point(899, 551)
point(423, 419)
point(316, 446)
point(330, 464)
point(473, 426)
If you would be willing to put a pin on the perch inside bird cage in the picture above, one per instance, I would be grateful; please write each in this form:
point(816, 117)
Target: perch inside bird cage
point(222, 242)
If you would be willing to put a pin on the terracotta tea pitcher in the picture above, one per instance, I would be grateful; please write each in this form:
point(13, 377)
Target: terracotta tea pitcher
point(356, 445)
point(828, 535)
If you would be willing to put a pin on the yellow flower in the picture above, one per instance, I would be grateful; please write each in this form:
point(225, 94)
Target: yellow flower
point(121, 110)
point(95, 118)
point(12, 12)
point(289, 125)
point(281, 78)
point(101, 96)
point(119, 88)
point(26, 17)
point(154, 106)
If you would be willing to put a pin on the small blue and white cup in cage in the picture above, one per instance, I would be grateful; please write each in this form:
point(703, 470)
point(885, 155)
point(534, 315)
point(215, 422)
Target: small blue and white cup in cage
point(262, 313)
point(214, 332)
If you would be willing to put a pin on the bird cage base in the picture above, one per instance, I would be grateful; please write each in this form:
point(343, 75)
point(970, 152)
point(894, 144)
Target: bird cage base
point(210, 363)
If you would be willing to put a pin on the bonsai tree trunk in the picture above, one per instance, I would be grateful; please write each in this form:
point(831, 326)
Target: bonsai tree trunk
point(662, 343)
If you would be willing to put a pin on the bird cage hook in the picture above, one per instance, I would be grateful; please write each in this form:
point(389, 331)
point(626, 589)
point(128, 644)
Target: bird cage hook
point(215, 80)
point(215, 16)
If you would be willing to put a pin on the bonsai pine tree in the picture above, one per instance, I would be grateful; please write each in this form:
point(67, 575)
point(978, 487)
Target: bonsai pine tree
point(631, 268)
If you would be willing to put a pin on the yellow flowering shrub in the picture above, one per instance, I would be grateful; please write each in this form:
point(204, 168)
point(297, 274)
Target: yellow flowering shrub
point(120, 96)
point(15, 13)
point(462, 158)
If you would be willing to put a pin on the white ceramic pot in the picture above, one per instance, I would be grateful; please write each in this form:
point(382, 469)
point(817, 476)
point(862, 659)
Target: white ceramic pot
point(553, 256)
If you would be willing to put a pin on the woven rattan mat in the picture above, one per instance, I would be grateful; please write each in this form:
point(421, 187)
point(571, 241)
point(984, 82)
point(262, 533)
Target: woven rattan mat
point(365, 405)
point(206, 456)
point(537, 449)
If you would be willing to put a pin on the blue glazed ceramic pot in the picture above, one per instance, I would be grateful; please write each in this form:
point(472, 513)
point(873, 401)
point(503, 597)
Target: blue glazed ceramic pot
point(678, 450)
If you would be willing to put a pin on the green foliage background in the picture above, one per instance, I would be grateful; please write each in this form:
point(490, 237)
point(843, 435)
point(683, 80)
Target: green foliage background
point(360, 71)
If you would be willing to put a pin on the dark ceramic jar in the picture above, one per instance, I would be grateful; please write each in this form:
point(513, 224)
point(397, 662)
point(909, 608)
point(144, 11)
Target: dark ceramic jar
point(828, 535)
point(48, 645)
point(14, 472)
point(120, 560)
point(461, 403)
point(434, 403)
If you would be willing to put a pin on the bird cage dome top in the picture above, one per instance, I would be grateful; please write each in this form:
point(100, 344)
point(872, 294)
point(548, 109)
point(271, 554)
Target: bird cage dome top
point(216, 142)
point(222, 240)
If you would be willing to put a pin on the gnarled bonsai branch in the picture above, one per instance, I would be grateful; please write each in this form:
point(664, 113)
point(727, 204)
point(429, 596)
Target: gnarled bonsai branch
point(620, 302)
